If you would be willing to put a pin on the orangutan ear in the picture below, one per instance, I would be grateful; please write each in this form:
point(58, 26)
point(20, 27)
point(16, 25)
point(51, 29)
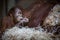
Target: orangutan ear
point(12, 19)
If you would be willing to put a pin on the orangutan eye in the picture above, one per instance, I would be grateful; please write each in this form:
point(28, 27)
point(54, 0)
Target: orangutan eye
point(21, 19)
point(16, 16)
point(20, 13)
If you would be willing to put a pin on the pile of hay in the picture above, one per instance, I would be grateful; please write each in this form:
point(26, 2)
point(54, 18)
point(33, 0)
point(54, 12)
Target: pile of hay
point(23, 33)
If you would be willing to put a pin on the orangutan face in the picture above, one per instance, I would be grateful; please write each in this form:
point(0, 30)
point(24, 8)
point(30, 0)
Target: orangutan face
point(19, 16)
